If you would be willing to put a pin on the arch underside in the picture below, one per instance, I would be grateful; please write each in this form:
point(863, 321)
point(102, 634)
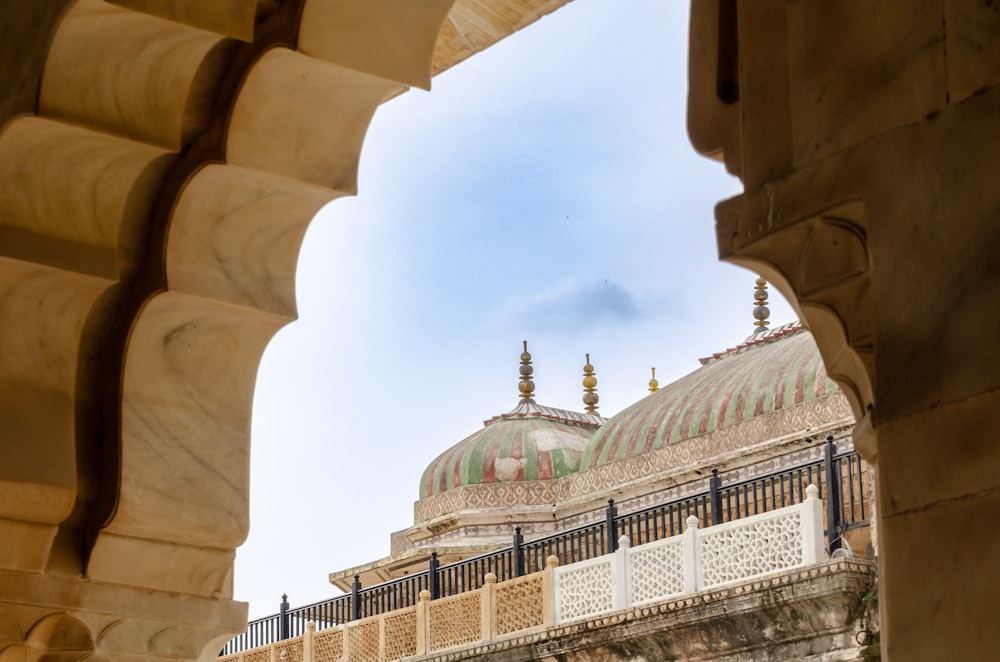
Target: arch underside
point(160, 162)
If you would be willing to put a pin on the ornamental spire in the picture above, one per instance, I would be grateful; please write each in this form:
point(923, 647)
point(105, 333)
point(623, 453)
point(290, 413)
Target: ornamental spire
point(589, 387)
point(654, 385)
point(526, 386)
point(760, 311)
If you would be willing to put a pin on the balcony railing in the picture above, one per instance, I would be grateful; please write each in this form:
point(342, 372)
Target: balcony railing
point(694, 559)
point(839, 477)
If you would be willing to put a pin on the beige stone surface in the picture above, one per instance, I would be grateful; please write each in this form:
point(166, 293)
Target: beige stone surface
point(342, 31)
point(928, 529)
point(187, 391)
point(287, 122)
point(940, 241)
point(235, 236)
point(852, 76)
point(140, 85)
point(233, 18)
point(880, 227)
point(973, 43)
point(713, 126)
point(38, 385)
point(57, 172)
point(939, 575)
point(967, 434)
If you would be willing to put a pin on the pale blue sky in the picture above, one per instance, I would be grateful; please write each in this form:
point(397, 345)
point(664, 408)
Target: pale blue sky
point(544, 190)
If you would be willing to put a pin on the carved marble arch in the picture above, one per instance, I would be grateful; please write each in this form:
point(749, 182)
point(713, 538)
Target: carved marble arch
point(822, 265)
point(152, 204)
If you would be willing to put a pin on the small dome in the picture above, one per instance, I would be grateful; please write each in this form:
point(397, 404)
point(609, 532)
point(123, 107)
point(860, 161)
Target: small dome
point(532, 442)
point(775, 370)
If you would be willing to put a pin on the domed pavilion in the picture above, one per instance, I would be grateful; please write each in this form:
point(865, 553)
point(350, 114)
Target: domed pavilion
point(765, 405)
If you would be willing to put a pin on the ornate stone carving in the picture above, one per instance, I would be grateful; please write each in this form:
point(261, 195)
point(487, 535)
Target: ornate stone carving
point(657, 571)
point(519, 604)
point(584, 589)
point(455, 621)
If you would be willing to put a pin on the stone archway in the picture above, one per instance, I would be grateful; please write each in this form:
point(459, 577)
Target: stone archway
point(160, 161)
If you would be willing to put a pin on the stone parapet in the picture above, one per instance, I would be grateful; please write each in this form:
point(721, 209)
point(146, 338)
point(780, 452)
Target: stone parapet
point(733, 560)
point(823, 612)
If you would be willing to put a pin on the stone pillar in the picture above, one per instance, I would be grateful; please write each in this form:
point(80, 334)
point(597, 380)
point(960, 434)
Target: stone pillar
point(866, 138)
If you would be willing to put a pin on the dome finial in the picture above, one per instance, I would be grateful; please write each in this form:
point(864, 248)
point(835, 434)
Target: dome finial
point(526, 386)
point(589, 387)
point(760, 311)
point(654, 385)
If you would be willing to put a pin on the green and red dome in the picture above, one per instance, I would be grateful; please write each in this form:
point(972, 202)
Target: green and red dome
point(532, 442)
point(773, 371)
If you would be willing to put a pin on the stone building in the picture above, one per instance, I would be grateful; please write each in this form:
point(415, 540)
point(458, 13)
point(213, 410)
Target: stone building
point(865, 137)
point(740, 437)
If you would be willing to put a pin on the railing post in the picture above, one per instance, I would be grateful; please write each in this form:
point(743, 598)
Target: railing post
point(812, 527)
point(488, 607)
point(834, 507)
point(549, 591)
point(620, 597)
point(518, 552)
point(356, 598)
point(309, 642)
point(283, 618)
point(423, 621)
point(692, 565)
point(432, 576)
point(715, 496)
point(612, 526)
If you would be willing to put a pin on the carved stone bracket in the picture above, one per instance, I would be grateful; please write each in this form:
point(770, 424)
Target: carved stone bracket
point(821, 263)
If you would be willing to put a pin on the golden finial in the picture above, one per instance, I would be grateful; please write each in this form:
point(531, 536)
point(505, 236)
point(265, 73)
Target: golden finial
point(589, 387)
point(526, 386)
point(654, 385)
point(761, 311)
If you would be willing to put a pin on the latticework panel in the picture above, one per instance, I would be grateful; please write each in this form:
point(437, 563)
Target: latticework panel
point(362, 641)
point(229, 658)
point(585, 590)
point(400, 633)
point(329, 645)
point(455, 621)
point(519, 604)
point(258, 655)
point(291, 650)
point(750, 549)
point(657, 571)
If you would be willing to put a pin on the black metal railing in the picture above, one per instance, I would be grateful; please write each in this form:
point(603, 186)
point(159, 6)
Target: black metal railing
point(839, 476)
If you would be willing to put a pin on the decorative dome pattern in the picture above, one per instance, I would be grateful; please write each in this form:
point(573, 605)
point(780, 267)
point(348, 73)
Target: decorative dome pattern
point(532, 442)
point(772, 371)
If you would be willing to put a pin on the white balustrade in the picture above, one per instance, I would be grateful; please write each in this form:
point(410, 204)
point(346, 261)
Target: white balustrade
point(779, 540)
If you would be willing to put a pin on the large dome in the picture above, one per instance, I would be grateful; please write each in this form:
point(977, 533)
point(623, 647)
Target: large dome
point(776, 371)
point(532, 442)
